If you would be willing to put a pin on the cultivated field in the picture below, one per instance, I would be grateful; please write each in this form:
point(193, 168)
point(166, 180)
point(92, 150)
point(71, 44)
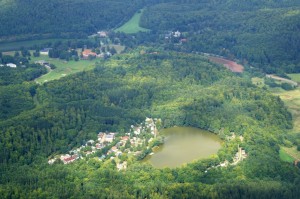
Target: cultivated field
point(132, 26)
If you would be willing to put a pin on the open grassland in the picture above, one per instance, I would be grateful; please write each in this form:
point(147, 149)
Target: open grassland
point(26, 44)
point(295, 77)
point(284, 156)
point(292, 101)
point(258, 81)
point(292, 152)
point(63, 68)
point(132, 26)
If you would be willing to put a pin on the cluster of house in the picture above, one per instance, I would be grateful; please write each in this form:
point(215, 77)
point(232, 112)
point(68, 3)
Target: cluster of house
point(116, 145)
point(11, 65)
point(87, 54)
point(169, 35)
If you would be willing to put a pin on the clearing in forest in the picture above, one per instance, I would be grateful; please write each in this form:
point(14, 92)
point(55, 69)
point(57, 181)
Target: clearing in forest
point(231, 65)
point(132, 26)
point(63, 68)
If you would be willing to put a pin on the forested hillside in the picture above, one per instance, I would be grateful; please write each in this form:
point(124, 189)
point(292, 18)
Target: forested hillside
point(163, 73)
point(67, 18)
point(264, 33)
point(182, 89)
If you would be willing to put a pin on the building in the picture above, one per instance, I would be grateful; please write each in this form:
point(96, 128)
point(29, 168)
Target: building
point(45, 51)
point(87, 53)
point(109, 137)
point(102, 34)
point(11, 65)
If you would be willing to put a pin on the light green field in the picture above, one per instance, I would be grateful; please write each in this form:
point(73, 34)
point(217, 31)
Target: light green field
point(27, 44)
point(64, 68)
point(258, 81)
point(284, 156)
point(132, 26)
point(295, 77)
point(292, 101)
point(292, 152)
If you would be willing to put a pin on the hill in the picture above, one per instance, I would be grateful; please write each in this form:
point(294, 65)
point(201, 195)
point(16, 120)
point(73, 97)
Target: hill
point(181, 89)
point(264, 34)
point(77, 18)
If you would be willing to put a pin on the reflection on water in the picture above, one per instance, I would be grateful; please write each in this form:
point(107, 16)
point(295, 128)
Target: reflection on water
point(183, 145)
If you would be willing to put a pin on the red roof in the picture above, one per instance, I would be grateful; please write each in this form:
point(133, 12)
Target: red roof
point(88, 52)
point(125, 138)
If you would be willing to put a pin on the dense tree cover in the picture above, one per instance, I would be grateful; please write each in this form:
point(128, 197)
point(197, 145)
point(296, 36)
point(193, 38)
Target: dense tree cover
point(263, 33)
point(24, 71)
point(66, 18)
point(182, 89)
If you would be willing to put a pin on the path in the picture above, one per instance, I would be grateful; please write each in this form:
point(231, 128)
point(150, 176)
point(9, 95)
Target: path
point(283, 79)
point(49, 69)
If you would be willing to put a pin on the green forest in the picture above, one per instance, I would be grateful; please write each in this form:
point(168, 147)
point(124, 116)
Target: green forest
point(163, 73)
point(182, 89)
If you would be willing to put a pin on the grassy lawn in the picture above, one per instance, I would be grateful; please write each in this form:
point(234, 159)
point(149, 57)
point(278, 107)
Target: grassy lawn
point(292, 152)
point(132, 26)
point(295, 77)
point(64, 68)
point(292, 101)
point(258, 81)
point(284, 156)
point(27, 44)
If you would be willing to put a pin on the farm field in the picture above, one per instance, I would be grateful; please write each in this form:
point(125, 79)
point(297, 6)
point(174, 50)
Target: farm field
point(63, 68)
point(132, 26)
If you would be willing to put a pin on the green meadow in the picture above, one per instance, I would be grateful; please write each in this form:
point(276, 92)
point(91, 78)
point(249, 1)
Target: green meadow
point(284, 156)
point(132, 26)
point(64, 68)
point(295, 77)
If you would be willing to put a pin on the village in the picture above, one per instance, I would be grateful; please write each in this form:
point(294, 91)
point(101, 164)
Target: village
point(113, 145)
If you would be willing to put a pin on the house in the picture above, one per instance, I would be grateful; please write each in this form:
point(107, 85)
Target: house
point(99, 146)
point(90, 142)
point(51, 161)
point(88, 53)
point(102, 34)
point(124, 138)
point(11, 65)
point(183, 40)
point(177, 34)
point(42, 62)
point(68, 158)
point(109, 137)
point(122, 166)
point(45, 51)
point(114, 149)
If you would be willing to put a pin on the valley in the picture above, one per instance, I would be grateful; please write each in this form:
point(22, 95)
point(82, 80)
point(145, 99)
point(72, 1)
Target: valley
point(82, 84)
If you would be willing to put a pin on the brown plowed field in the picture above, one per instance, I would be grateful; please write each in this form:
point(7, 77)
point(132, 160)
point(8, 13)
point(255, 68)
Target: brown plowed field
point(231, 65)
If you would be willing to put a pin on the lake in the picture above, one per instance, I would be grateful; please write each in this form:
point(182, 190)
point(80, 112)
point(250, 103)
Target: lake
point(183, 145)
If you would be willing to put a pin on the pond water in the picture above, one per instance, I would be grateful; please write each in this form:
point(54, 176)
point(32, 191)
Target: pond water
point(183, 145)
